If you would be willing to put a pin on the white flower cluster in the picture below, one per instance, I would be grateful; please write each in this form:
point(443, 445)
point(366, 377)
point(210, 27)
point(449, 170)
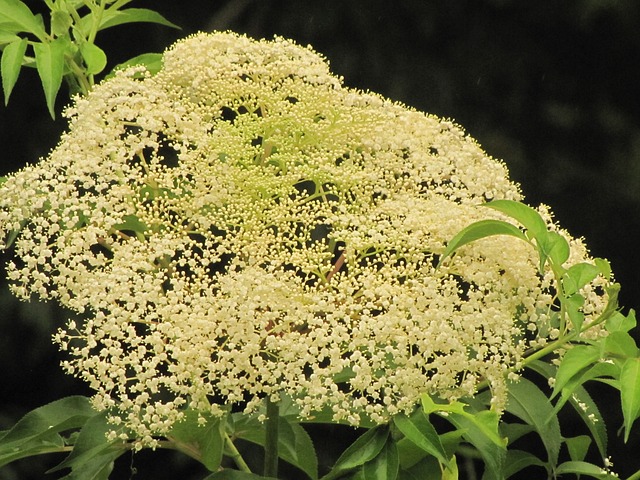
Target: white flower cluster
point(240, 225)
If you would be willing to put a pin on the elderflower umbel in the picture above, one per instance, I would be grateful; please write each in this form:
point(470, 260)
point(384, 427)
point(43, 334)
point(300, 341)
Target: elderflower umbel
point(240, 225)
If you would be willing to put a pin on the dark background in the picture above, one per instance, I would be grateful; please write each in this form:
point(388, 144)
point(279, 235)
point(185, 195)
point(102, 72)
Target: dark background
point(551, 87)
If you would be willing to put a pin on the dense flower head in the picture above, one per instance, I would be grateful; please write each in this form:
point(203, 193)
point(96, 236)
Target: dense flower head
point(240, 225)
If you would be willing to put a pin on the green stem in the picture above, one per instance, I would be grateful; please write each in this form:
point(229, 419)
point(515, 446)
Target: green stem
point(271, 440)
point(235, 455)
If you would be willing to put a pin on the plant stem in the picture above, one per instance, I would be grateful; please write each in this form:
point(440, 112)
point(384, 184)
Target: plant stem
point(235, 455)
point(271, 440)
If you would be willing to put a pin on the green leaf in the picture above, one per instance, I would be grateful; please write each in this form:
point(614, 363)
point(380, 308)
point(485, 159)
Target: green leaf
point(630, 393)
point(236, 475)
point(7, 37)
point(485, 421)
point(294, 444)
point(574, 362)
point(578, 447)
point(479, 230)
point(365, 448)
point(11, 64)
point(37, 432)
point(94, 58)
point(583, 468)
point(518, 460)
point(619, 323)
point(61, 21)
point(552, 246)
point(50, 65)
point(133, 224)
point(151, 61)
point(619, 344)
point(524, 214)
point(420, 431)
point(385, 465)
point(112, 17)
point(588, 411)
point(206, 442)
point(93, 456)
point(577, 276)
point(527, 402)
point(16, 17)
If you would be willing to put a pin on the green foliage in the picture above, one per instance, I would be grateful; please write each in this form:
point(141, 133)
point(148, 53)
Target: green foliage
point(67, 50)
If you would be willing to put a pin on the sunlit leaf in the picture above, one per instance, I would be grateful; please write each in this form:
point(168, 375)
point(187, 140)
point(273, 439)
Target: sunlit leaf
point(205, 441)
point(552, 246)
point(577, 276)
point(523, 214)
point(94, 58)
point(61, 21)
point(11, 64)
point(620, 344)
point(619, 323)
point(479, 230)
point(112, 17)
point(15, 17)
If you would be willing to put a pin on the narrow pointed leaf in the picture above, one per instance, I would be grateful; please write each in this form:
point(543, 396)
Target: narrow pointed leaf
point(50, 65)
point(573, 362)
point(11, 64)
point(523, 214)
point(365, 448)
point(93, 455)
point(479, 230)
point(630, 393)
point(419, 430)
point(584, 468)
point(112, 18)
point(37, 432)
point(384, 466)
point(518, 460)
point(151, 61)
point(527, 402)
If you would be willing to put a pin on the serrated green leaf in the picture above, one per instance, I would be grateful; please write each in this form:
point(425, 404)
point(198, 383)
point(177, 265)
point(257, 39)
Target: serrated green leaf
point(630, 393)
point(294, 444)
point(527, 402)
point(94, 58)
point(523, 214)
point(50, 65)
point(15, 17)
point(419, 430)
point(518, 460)
point(385, 465)
point(479, 230)
point(574, 361)
point(365, 448)
point(577, 276)
point(236, 475)
point(588, 411)
point(93, 456)
point(11, 64)
point(37, 432)
point(583, 468)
